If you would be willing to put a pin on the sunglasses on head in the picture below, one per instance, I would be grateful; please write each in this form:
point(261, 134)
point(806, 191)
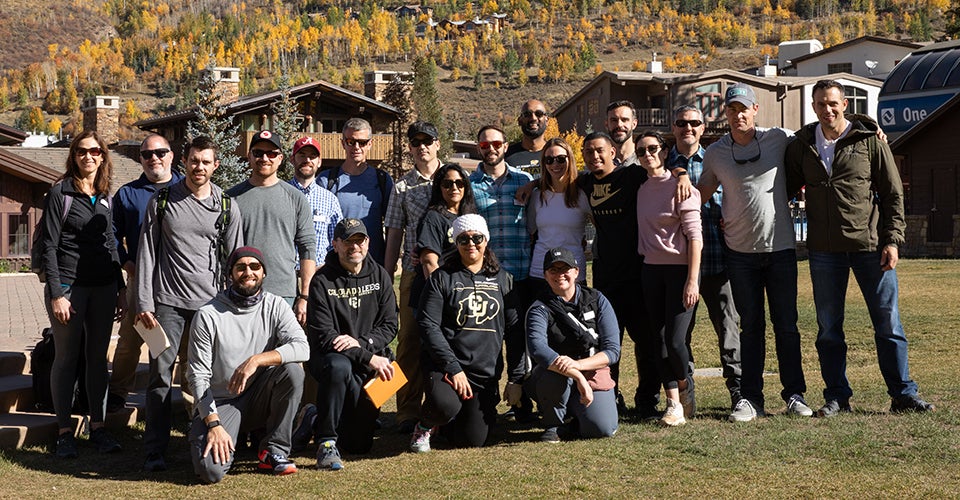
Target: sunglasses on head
point(530, 114)
point(449, 183)
point(93, 151)
point(146, 154)
point(416, 143)
point(550, 160)
point(684, 123)
point(465, 239)
point(490, 144)
point(652, 150)
point(260, 153)
point(357, 142)
point(241, 267)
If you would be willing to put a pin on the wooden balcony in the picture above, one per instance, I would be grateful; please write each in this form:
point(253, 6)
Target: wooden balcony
point(661, 119)
point(331, 149)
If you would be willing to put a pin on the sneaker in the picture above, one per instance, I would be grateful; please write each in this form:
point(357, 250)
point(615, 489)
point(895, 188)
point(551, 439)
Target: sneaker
point(328, 457)
point(154, 463)
point(907, 404)
point(67, 446)
point(797, 406)
point(688, 399)
point(303, 428)
point(674, 414)
point(104, 441)
point(420, 440)
point(550, 436)
point(833, 408)
point(276, 463)
point(744, 411)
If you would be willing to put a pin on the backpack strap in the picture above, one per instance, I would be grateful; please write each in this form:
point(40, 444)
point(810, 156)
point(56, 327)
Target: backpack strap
point(223, 222)
point(382, 184)
point(333, 180)
point(162, 196)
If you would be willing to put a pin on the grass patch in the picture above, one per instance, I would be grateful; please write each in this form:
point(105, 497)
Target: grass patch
point(869, 453)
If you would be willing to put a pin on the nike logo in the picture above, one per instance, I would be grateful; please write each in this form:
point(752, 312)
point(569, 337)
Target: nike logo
point(601, 193)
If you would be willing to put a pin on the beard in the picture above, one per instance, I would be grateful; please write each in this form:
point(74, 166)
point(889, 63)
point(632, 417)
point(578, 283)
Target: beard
point(496, 160)
point(534, 130)
point(620, 139)
point(248, 290)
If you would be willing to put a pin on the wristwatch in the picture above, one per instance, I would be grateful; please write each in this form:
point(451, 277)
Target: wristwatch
point(211, 425)
point(302, 296)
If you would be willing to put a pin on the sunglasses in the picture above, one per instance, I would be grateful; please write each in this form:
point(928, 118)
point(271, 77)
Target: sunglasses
point(530, 114)
point(357, 142)
point(652, 150)
point(465, 239)
point(684, 123)
point(241, 267)
point(93, 151)
point(490, 144)
point(448, 183)
point(416, 143)
point(259, 153)
point(146, 154)
point(550, 160)
point(739, 161)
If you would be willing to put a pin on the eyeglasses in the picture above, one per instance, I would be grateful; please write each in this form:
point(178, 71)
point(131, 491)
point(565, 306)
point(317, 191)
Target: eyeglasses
point(259, 153)
point(146, 154)
point(465, 239)
point(550, 160)
point(652, 150)
point(416, 143)
point(93, 151)
point(449, 183)
point(357, 142)
point(241, 267)
point(748, 160)
point(684, 123)
point(539, 113)
point(490, 144)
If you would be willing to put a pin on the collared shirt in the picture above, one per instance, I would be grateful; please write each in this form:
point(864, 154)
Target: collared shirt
point(711, 260)
point(326, 214)
point(411, 196)
point(506, 221)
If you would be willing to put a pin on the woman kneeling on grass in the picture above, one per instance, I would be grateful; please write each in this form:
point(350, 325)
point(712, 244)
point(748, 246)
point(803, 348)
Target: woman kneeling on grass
point(463, 315)
point(573, 337)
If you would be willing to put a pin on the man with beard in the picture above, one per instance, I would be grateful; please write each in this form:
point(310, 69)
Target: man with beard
point(621, 122)
point(525, 155)
point(323, 204)
point(188, 230)
point(244, 366)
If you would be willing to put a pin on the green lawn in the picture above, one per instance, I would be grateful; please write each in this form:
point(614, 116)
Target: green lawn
point(867, 454)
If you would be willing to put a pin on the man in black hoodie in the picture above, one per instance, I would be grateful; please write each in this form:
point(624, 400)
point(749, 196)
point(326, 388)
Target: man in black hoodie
point(351, 321)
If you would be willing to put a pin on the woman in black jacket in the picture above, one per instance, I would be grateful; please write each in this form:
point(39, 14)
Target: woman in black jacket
point(464, 313)
point(83, 280)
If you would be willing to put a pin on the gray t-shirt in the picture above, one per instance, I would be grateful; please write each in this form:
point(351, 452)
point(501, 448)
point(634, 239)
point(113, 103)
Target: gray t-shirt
point(756, 215)
point(278, 221)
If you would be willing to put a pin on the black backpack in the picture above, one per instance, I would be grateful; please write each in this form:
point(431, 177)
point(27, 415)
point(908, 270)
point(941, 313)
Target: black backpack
point(41, 364)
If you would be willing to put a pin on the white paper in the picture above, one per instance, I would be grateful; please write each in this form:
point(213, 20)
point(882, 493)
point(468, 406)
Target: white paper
point(155, 338)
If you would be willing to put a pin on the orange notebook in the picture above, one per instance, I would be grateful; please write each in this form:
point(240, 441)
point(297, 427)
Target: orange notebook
point(379, 391)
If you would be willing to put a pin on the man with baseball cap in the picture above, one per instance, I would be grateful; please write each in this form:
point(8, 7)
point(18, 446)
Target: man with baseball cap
point(353, 319)
point(324, 206)
point(276, 219)
point(244, 368)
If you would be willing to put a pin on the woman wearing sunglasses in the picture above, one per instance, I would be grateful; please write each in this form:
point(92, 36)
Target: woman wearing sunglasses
point(83, 279)
point(670, 240)
point(464, 314)
point(557, 211)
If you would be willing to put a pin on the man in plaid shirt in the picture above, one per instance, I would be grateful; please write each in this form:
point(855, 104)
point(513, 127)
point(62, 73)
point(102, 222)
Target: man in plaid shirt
point(323, 204)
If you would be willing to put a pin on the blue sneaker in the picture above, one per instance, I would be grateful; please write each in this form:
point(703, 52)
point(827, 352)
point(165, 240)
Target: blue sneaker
point(328, 457)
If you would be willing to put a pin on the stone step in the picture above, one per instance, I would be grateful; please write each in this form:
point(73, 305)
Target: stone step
point(14, 363)
point(16, 391)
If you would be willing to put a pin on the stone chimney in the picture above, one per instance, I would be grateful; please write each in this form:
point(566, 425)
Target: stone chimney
point(102, 114)
point(655, 66)
point(376, 82)
point(227, 83)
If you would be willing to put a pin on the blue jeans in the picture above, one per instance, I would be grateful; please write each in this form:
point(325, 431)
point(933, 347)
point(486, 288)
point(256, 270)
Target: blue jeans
point(829, 272)
point(752, 274)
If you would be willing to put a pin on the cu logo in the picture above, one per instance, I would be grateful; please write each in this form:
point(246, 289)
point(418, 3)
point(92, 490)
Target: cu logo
point(479, 307)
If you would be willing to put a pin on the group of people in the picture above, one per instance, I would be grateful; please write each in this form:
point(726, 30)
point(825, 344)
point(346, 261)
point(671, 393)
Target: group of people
point(491, 261)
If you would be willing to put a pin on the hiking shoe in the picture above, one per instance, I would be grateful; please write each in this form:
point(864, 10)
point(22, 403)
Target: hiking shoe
point(104, 441)
point(550, 436)
point(67, 446)
point(303, 428)
point(420, 440)
point(833, 408)
point(674, 414)
point(154, 463)
point(688, 399)
point(276, 463)
point(797, 406)
point(912, 403)
point(328, 457)
point(744, 411)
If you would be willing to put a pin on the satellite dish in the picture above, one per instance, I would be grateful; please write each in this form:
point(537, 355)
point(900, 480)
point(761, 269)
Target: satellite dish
point(871, 65)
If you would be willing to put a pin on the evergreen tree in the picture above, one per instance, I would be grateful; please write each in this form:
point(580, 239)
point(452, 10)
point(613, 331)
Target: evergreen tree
point(212, 121)
point(397, 94)
point(426, 100)
point(286, 123)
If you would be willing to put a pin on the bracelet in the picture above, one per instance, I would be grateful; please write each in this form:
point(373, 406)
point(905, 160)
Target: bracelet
point(302, 296)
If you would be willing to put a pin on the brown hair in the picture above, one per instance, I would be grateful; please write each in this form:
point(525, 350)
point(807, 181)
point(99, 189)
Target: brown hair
point(101, 183)
point(568, 182)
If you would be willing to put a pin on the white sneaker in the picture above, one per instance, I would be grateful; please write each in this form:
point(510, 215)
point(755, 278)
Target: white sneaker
point(674, 414)
point(743, 411)
point(797, 406)
point(420, 440)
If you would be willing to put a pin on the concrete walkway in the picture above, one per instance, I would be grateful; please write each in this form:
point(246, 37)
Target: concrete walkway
point(22, 314)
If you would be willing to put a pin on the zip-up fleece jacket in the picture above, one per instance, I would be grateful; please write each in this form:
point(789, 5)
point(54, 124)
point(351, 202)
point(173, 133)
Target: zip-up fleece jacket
point(464, 318)
point(361, 305)
point(859, 207)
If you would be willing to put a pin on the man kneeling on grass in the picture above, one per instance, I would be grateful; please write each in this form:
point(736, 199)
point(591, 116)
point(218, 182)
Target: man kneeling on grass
point(244, 368)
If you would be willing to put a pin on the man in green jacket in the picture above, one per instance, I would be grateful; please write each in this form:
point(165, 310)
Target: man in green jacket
point(854, 202)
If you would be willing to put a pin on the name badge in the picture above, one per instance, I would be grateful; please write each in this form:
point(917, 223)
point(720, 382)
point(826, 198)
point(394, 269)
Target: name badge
point(587, 316)
point(320, 218)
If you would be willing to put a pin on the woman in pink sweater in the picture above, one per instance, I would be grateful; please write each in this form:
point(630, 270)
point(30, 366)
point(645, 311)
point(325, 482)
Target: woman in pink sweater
point(670, 240)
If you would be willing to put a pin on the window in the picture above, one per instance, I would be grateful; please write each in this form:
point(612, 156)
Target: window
point(710, 100)
point(857, 99)
point(840, 68)
point(19, 242)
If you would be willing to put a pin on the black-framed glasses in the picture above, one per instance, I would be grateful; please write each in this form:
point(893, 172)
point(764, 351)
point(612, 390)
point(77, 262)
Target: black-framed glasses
point(465, 239)
point(752, 159)
point(146, 154)
point(652, 150)
point(550, 160)
point(241, 266)
point(416, 143)
point(684, 123)
point(449, 183)
point(260, 153)
point(93, 151)
point(357, 142)
point(539, 113)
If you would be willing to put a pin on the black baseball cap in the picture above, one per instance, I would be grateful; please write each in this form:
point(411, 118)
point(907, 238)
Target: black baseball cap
point(422, 128)
point(349, 227)
point(266, 136)
point(559, 254)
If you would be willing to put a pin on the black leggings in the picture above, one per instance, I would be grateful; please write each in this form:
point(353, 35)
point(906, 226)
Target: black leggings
point(466, 423)
point(669, 320)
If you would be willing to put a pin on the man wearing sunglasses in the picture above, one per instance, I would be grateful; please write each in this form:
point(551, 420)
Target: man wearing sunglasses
point(181, 269)
point(525, 155)
point(278, 220)
point(129, 205)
